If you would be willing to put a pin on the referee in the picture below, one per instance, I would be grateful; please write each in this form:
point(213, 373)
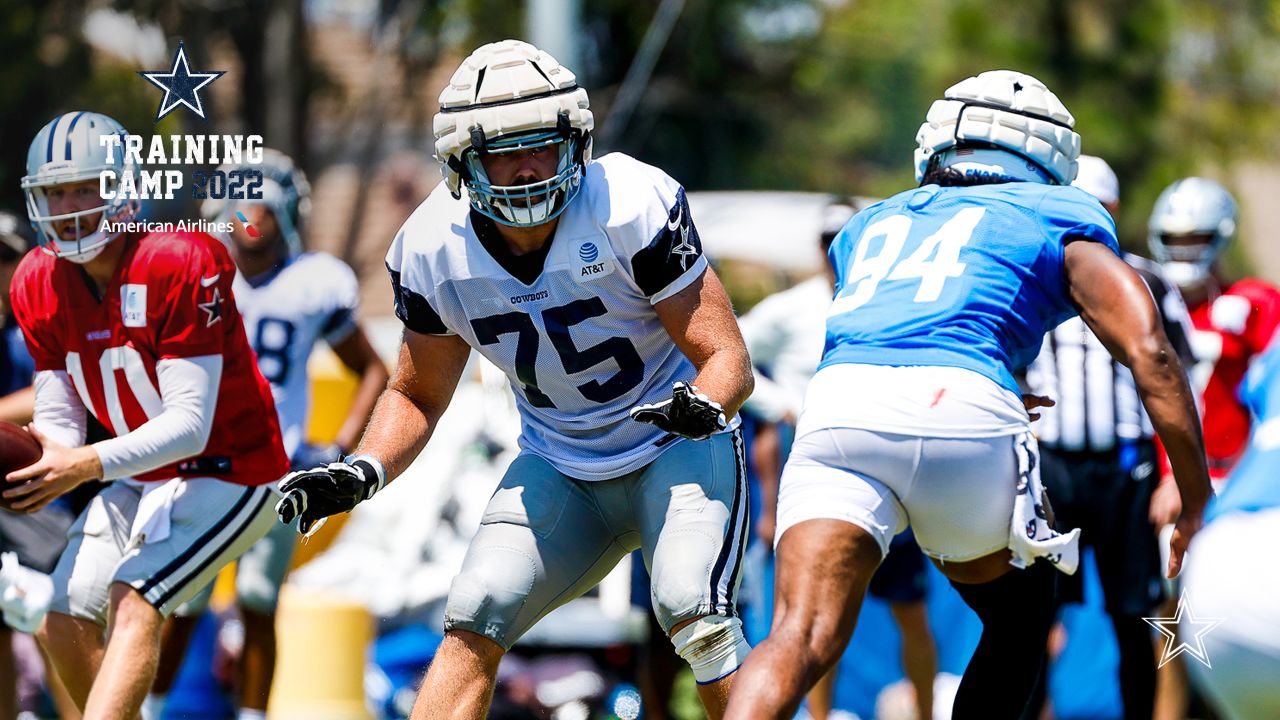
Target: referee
point(1099, 463)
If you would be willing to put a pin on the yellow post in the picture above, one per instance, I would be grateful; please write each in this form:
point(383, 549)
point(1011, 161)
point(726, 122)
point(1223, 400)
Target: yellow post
point(323, 643)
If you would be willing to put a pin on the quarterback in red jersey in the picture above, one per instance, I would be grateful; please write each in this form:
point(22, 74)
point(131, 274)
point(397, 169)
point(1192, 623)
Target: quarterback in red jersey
point(142, 332)
point(1193, 221)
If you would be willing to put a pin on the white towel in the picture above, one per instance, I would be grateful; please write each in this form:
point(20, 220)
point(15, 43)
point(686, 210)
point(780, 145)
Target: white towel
point(25, 594)
point(151, 522)
point(1030, 536)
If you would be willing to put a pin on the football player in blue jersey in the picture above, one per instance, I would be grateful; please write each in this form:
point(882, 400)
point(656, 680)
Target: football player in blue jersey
point(584, 280)
point(942, 292)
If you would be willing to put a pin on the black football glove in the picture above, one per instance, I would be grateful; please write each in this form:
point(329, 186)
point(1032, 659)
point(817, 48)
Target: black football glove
point(312, 495)
point(688, 413)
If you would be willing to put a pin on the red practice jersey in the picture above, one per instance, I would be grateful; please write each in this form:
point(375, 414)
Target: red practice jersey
point(170, 297)
point(1229, 331)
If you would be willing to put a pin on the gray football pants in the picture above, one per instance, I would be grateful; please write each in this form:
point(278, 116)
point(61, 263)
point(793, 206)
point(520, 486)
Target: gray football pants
point(546, 539)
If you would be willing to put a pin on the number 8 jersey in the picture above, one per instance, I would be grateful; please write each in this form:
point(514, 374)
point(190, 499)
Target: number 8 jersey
point(964, 277)
point(578, 337)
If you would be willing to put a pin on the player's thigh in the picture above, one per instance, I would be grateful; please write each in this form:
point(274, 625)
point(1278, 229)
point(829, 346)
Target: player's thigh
point(692, 517)
point(261, 570)
point(961, 503)
point(96, 543)
point(855, 476)
point(542, 542)
point(211, 523)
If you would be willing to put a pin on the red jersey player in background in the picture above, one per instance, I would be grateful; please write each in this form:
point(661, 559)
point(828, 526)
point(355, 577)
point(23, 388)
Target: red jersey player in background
point(1193, 221)
point(142, 332)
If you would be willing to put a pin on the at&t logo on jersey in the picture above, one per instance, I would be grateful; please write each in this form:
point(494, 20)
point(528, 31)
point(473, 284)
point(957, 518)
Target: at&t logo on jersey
point(133, 301)
point(590, 263)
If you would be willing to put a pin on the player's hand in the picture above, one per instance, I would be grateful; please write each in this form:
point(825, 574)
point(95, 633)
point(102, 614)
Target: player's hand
point(1186, 526)
point(312, 495)
point(688, 413)
point(59, 470)
point(1166, 503)
point(1031, 402)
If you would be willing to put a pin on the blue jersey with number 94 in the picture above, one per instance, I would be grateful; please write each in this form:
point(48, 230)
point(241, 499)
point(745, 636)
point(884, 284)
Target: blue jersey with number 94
point(967, 277)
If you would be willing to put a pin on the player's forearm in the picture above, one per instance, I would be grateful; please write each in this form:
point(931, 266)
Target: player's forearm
point(373, 380)
point(18, 407)
point(726, 377)
point(398, 431)
point(188, 391)
point(58, 411)
point(1170, 402)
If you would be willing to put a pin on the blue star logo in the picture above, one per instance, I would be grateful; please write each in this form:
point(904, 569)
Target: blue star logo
point(181, 86)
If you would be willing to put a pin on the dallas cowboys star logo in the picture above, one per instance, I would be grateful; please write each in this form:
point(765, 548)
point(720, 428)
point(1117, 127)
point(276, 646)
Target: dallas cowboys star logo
point(1198, 627)
point(213, 308)
point(684, 248)
point(180, 85)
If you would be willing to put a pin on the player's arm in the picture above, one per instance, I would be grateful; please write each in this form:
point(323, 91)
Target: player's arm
point(700, 320)
point(188, 387)
point(59, 421)
point(403, 419)
point(359, 356)
point(1117, 306)
point(18, 406)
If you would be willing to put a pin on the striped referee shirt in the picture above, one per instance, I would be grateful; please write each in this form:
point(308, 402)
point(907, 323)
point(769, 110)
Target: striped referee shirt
point(1098, 406)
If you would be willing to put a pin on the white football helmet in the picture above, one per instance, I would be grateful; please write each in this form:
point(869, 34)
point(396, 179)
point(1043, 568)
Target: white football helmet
point(285, 191)
point(511, 96)
point(1191, 206)
point(1006, 111)
point(67, 151)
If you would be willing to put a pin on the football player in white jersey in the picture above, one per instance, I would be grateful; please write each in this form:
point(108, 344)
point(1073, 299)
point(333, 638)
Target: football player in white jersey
point(286, 311)
point(585, 282)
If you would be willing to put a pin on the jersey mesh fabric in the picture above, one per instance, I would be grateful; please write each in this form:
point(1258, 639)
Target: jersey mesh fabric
point(990, 304)
point(581, 344)
point(311, 297)
point(169, 298)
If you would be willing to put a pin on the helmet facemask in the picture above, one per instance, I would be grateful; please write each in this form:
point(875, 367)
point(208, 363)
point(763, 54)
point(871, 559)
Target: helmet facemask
point(1191, 224)
point(86, 245)
point(529, 204)
point(1187, 260)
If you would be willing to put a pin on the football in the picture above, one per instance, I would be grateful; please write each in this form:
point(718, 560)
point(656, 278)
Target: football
point(17, 448)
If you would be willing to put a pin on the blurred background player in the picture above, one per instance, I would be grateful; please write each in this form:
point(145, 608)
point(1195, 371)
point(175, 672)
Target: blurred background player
point(626, 409)
point(1192, 223)
point(30, 542)
point(1194, 220)
point(1226, 582)
point(784, 334)
point(142, 332)
point(290, 300)
point(1098, 462)
point(943, 292)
